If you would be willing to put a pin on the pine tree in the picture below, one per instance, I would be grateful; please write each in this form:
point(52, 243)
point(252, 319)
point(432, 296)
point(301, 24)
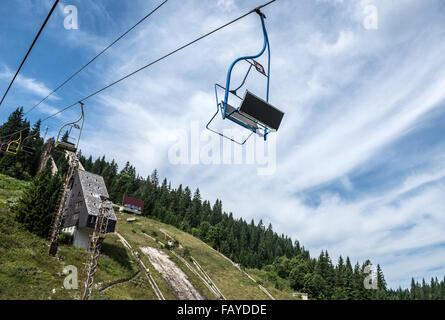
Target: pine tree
point(414, 295)
point(38, 203)
point(381, 293)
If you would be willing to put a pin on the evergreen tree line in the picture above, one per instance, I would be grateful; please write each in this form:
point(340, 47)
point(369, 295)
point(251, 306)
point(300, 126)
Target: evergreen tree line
point(434, 290)
point(249, 244)
point(38, 203)
point(321, 279)
point(22, 166)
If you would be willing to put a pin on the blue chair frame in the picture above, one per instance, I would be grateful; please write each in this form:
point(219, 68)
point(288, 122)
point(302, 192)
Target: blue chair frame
point(221, 106)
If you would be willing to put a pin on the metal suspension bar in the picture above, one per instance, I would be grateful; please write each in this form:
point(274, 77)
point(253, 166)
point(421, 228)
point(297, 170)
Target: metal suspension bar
point(229, 73)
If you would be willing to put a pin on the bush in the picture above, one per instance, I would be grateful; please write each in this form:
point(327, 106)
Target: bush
point(65, 238)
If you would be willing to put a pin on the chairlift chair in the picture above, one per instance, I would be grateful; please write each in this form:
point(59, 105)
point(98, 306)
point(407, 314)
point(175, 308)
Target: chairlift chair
point(253, 113)
point(4, 145)
point(71, 143)
point(12, 146)
point(27, 145)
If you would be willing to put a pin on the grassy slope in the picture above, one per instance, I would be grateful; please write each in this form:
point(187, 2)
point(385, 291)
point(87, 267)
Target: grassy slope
point(27, 272)
point(232, 282)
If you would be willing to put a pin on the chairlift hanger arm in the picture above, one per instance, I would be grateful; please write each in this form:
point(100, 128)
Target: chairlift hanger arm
point(29, 148)
point(31, 136)
point(253, 113)
point(74, 123)
point(234, 91)
point(229, 73)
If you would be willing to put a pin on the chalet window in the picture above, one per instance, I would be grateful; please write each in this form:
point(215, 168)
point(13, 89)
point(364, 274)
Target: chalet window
point(76, 216)
point(79, 204)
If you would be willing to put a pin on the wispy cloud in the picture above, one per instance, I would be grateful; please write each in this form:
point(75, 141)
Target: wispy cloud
point(30, 85)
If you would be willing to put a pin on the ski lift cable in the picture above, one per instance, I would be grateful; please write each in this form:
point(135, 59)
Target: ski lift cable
point(152, 63)
point(29, 50)
point(159, 59)
point(97, 56)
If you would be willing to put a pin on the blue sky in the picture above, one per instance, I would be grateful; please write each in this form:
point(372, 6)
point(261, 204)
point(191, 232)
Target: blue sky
point(360, 156)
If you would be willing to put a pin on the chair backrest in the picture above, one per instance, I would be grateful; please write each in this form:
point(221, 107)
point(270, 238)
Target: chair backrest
point(261, 110)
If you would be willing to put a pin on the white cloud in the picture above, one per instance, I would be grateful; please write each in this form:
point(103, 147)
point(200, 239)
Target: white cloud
point(344, 42)
point(30, 85)
point(227, 5)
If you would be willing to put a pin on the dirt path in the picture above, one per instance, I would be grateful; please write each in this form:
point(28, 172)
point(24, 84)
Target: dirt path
point(178, 281)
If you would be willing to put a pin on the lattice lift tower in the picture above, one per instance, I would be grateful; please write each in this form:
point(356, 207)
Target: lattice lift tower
point(69, 145)
point(64, 195)
point(96, 240)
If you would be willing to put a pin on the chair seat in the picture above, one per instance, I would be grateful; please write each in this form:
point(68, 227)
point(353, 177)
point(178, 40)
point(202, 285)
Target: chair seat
point(66, 146)
point(29, 150)
point(240, 117)
point(13, 148)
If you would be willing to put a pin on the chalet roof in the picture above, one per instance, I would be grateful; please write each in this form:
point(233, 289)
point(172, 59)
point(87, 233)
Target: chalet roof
point(93, 187)
point(133, 201)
